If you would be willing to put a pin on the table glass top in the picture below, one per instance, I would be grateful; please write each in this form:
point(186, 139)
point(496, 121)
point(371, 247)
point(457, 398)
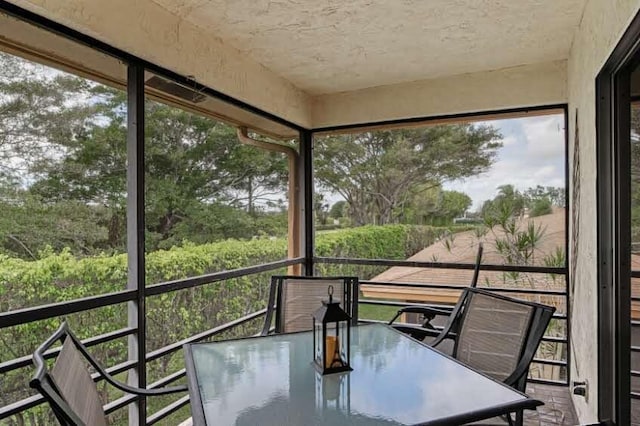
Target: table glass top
point(395, 381)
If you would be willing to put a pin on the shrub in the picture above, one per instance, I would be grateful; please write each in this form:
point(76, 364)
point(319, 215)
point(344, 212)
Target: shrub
point(177, 315)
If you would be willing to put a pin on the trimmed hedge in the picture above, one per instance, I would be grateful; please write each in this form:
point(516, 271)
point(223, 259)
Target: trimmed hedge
point(378, 242)
point(60, 277)
point(176, 315)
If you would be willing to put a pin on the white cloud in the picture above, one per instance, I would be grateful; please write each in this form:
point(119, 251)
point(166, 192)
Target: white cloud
point(532, 154)
point(509, 141)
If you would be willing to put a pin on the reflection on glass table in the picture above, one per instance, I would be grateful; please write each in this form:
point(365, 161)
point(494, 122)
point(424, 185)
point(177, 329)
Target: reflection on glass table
point(395, 381)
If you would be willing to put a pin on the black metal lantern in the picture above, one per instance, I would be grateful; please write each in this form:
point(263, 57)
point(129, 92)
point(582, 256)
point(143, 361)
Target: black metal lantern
point(331, 337)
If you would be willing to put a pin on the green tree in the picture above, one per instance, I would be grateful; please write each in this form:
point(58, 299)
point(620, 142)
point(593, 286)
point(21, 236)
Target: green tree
point(92, 168)
point(375, 171)
point(194, 167)
point(540, 207)
point(435, 206)
point(454, 204)
point(508, 203)
point(338, 209)
point(36, 105)
point(29, 227)
point(63, 141)
point(555, 195)
point(38, 108)
point(253, 176)
point(320, 209)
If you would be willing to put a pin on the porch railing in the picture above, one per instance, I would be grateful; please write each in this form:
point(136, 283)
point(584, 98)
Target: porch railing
point(55, 310)
point(24, 316)
point(561, 315)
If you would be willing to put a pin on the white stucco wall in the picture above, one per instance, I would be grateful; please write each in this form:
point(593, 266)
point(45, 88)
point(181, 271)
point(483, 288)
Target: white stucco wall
point(526, 85)
point(603, 23)
point(148, 31)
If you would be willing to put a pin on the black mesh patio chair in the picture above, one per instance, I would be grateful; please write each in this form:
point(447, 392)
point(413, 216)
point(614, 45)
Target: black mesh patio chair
point(429, 314)
point(69, 387)
point(292, 300)
point(497, 335)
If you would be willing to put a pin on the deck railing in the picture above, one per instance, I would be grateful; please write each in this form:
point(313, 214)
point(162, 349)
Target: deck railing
point(558, 295)
point(62, 309)
point(57, 310)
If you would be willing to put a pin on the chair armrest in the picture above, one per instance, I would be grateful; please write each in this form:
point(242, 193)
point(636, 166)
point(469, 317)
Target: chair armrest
point(64, 333)
point(521, 368)
point(108, 377)
point(427, 311)
point(151, 392)
point(266, 327)
point(416, 331)
point(444, 335)
point(135, 390)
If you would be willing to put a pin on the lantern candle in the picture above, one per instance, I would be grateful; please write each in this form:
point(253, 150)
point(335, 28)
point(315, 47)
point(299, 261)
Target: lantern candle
point(333, 347)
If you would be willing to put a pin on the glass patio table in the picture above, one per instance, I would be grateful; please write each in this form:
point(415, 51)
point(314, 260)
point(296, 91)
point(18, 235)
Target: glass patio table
point(395, 381)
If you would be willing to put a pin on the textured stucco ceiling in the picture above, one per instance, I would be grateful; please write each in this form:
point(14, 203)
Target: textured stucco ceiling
point(326, 46)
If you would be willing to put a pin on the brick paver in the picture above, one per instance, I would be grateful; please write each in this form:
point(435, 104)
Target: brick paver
point(557, 408)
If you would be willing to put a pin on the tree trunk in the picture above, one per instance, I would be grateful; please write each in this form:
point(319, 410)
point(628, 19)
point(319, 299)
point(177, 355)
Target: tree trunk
point(250, 201)
point(114, 236)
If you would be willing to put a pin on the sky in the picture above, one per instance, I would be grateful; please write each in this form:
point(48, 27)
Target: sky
point(532, 154)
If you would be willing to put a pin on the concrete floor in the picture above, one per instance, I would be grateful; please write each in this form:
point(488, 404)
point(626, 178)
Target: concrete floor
point(557, 408)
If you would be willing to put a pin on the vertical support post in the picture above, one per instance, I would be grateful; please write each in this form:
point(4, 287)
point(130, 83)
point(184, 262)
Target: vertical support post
point(622, 245)
point(306, 179)
point(294, 193)
point(295, 212)
point(606, 295)
point(135, 236)
point(613, 116)
point(568, 208)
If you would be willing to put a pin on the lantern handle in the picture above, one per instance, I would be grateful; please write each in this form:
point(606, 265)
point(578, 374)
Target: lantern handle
point(330, 293)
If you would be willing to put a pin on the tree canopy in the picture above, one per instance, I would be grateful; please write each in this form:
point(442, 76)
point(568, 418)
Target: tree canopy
point(431, 205)
point(510, 202)
point(376, 171)
point(63, 144)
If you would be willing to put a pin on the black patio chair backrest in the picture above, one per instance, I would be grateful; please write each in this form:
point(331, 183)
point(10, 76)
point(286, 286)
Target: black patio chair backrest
point(493, 334)
point(453, 319)
point(69, 388)
point(435, 317)
point(293, 299)
point(476, 266)
point(498, 335)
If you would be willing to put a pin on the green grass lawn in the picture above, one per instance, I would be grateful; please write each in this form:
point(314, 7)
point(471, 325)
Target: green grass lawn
point(376, 312)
